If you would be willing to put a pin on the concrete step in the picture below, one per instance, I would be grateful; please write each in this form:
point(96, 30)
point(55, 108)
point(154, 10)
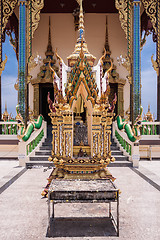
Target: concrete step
point(48, 140)
point(32, 164)
point(120, 164)
point(46, 144)
point(114, 148)
point(120, 158)
point(46, 148)
point(116, 152)
point(113, 144)
point(39, 158)
point(42, 153)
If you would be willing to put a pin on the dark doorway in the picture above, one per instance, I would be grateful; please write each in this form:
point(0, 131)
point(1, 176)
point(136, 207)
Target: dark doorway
point(113, 90)
point(44, 88)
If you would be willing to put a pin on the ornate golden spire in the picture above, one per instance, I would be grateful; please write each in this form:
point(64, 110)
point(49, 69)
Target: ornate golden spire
point(45, 74)
point(149, 115)
point(73, 57)
point(106, 40)
point(49, 46)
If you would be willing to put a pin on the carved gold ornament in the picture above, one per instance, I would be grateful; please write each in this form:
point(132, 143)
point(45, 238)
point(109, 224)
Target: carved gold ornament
point(150, 9)
point(2, 65)
point(155, 65)
point(121, 6)
point(8, 8)
point(37, 5)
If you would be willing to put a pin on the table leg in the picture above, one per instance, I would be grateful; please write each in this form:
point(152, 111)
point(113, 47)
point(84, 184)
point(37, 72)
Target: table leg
point(118, 213)
point(110, 210)
point(53, 209)
point(49, 223)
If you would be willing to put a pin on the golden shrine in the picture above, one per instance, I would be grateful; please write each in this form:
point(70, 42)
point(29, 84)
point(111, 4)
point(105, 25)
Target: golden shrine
point(81, 119)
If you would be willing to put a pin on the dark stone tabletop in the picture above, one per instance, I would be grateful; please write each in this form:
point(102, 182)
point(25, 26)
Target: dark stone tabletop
point(82, 190)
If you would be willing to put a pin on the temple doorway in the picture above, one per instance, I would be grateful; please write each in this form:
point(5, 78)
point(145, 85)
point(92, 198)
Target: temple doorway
point(113, 90)
point(81, 147)
point(44, 88)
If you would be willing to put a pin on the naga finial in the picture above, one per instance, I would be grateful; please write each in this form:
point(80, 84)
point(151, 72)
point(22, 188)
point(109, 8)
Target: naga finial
point(53, 74)
point(103, 56)
point(57, 56)
point(110, 69)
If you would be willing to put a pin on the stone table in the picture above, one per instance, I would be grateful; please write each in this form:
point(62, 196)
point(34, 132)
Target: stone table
point(83, 191)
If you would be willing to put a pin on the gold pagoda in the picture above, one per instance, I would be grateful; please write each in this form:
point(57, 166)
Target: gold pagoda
point(81, 119)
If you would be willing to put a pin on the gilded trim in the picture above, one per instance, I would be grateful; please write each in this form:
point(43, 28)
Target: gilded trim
point(8, 8)
point(150, 9)
point(121, 6)
point(2, 65)
point(36, 8)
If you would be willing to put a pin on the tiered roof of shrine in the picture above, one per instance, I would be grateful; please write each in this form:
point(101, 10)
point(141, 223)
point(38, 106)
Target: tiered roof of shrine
point(81, 61)
point(81, 72)
point(74, 56)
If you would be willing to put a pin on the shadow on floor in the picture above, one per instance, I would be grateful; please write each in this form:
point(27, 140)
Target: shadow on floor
point(81, 227)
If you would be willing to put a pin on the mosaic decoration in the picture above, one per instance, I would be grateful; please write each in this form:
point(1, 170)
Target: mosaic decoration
point(136, 58)
point(22, 56)
point(129, 28)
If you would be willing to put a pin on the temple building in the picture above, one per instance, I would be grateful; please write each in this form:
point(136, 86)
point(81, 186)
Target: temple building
point(119, 27)
point(100, 34)
point(86, 56)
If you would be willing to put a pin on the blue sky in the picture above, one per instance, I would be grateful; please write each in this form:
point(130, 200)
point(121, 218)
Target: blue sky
point(148, 79)
point(9, 77)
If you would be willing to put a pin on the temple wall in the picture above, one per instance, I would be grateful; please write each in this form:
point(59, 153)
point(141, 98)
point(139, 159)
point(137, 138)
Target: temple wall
point(64, 38)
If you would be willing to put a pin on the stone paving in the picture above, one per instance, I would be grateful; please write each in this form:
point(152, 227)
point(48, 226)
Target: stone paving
point(7, 166)
point(24, 212)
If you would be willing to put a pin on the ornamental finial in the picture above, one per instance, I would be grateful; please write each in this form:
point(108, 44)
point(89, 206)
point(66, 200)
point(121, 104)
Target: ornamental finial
point(81, 19)
point(49, 47)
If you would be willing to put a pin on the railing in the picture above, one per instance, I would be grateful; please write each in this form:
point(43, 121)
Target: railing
point(150, 140)
point(28, 148)
point(34, 143)
point(149, 128)
point(125, 145)
point(8, 128)
point(130, 149)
